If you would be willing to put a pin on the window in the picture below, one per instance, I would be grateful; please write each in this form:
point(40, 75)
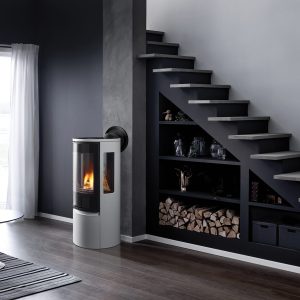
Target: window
point(5, 69)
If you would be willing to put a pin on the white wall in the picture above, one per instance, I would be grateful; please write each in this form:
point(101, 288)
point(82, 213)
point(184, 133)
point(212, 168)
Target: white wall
point(254, 45)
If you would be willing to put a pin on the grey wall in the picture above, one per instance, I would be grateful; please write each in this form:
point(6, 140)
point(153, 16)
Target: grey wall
point(70, 38)
point(17, 22)
point(253, 45)
point(124, 101)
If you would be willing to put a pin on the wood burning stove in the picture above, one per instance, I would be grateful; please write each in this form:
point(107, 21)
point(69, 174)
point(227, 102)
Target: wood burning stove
point(96, 189)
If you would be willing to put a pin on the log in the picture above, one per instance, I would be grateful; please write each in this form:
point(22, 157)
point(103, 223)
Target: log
point(221, 212)
point(167, 206)
point(186, 220)
point(180, 222)
point(211, 224)
point(199, 222)
point(206, 230)
point(163, 211)
point(207, 214)
point(218, 224)
point(197, 228)
point(213, 217)
point(230, 213)
point(231, 235)
point(192, 217)
point(235, 228)
point(226, 229)
point(192, 209)
point(236, 220)
point(223, 234)
point(174, 206)
point(180, 208)
point(169, 201)
point(161, 205)
point(213, 231)
point(191, 226)
point(171, 212)
point(204, 223)
point(165, 218)
point(220, 229)
point(183, 213)
point(222, 218)
point(173, 221)
point(227, 222)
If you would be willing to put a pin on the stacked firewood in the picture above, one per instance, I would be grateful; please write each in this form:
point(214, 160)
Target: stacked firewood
point(215, 221)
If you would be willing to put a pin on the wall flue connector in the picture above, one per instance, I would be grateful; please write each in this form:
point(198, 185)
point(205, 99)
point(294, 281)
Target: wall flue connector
point(117, 132)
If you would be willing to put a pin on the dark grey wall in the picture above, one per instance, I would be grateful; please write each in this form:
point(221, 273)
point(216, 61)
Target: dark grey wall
point(17, 22)
point(124, 101)
point(70, 39)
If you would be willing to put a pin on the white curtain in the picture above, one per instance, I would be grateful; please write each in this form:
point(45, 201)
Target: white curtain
point(23, 163)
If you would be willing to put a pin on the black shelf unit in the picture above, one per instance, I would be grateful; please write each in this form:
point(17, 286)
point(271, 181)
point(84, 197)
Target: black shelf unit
point(160, 156)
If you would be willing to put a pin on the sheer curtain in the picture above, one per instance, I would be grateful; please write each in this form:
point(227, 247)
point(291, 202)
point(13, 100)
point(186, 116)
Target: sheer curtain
point(24, 132)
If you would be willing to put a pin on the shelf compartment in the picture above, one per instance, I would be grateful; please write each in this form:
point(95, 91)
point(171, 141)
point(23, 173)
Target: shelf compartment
point(199, 195)
point(206, 160)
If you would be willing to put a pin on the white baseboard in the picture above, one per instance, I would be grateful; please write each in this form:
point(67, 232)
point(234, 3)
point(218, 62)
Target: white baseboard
point(212, 251)
point(133, 239)
point(232, 255)
point(55, 217)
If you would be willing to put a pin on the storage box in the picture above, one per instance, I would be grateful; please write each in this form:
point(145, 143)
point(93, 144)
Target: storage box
point(264, 232)
point(289, 236)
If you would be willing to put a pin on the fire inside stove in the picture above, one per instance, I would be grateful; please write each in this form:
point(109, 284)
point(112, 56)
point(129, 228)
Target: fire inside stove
point(88, 181)
point(106, 187)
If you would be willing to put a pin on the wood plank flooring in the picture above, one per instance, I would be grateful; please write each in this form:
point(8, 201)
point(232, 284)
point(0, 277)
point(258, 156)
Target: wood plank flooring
point(141, 271)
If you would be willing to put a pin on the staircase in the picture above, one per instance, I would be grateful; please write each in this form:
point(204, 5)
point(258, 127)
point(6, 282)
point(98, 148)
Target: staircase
point(247, 137)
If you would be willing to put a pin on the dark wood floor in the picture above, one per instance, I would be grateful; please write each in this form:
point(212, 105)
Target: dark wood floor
point(141, 271)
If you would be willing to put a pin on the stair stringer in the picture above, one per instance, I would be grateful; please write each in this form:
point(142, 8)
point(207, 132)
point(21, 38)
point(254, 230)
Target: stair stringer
point(240, 149)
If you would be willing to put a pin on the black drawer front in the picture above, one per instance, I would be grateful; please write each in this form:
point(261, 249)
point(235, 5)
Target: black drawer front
point(264, 233)
point(289, 237)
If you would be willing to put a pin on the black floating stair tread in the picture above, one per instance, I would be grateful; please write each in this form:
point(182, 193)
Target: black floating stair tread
point(259, 136)
point(196, 85)
point(180, 70)
point(276, 155)
point(238, 119)
point(218, 102)
point(163, 44)
point(294, 176)
point(155, 32)
point(168, 56)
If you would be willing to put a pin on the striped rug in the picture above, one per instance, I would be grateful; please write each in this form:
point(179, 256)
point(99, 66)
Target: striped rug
point(20, 278)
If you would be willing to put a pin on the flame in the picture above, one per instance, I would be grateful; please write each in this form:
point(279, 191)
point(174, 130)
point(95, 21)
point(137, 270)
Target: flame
point(88, 181)
point(106, 187)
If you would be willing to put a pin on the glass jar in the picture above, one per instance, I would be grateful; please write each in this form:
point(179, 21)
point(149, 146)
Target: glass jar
point(217, 151)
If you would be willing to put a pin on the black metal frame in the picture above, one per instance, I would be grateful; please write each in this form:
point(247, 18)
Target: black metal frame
point(88, 202)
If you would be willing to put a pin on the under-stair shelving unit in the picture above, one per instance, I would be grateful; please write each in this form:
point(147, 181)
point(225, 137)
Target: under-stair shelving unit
point(173, 83)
